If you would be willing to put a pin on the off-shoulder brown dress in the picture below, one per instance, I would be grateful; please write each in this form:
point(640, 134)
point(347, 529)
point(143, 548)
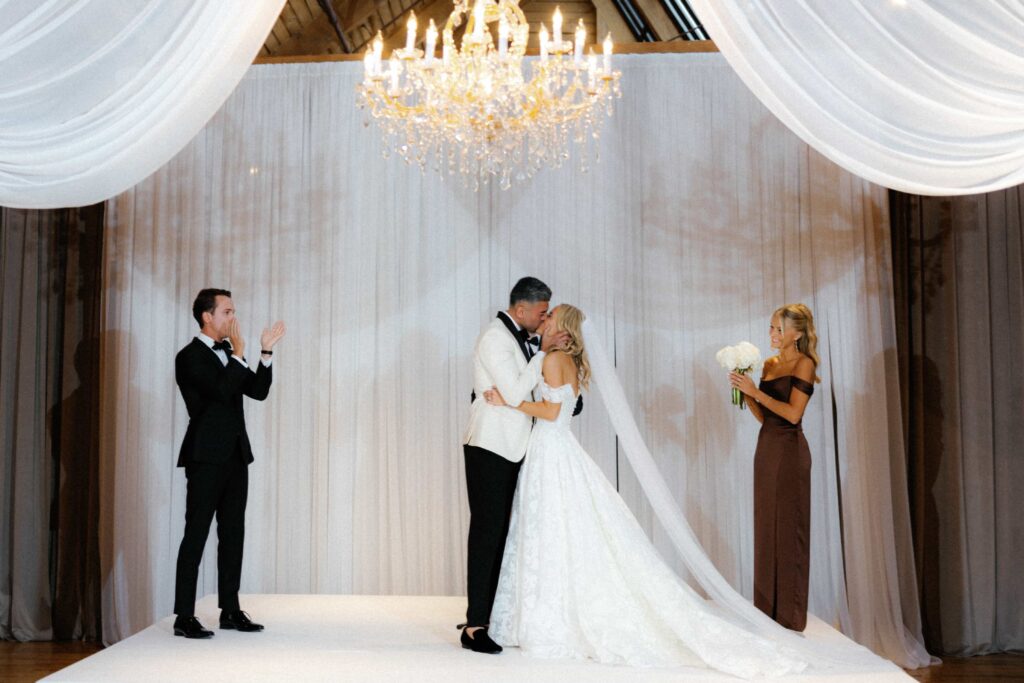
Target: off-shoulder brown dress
point(782, 511)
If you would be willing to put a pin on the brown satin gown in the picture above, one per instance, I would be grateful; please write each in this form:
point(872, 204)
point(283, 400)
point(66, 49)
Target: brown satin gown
point(782, 511)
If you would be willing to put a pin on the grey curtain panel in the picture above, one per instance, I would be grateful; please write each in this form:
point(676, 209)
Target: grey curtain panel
point(49, 390)
point(959, 283)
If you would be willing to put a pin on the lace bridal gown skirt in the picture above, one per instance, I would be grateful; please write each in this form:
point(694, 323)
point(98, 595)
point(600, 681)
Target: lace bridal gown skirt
point(580, 579)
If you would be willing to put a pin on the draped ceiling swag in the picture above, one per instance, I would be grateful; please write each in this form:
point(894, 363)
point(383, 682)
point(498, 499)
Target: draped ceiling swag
point(95, 95)
point(923, 97)
point(920, 97)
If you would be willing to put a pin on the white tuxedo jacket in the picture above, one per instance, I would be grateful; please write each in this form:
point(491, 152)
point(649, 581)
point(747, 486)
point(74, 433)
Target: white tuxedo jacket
point(499, 362)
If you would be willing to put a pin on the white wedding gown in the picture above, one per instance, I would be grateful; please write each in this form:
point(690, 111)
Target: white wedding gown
point(580, 579)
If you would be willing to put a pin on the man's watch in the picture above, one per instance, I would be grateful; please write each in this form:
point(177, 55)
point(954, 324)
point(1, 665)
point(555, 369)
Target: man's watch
point(264, 352)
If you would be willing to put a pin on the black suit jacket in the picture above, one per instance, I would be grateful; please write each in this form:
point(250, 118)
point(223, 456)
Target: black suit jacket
point(213, 396)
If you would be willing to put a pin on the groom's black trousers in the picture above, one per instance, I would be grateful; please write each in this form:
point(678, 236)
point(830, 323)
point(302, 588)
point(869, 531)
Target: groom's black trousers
point(221, 490)
point(491, 486)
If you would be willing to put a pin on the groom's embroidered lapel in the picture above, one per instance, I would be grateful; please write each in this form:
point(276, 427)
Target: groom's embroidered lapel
point(515, 333)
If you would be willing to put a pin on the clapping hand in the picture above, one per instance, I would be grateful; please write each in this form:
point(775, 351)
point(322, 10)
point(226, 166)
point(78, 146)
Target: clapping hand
point(271, 336)
point(494, 397)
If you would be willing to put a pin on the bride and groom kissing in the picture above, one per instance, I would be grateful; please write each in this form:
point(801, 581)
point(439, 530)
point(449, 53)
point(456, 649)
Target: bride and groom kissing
point(557, 563)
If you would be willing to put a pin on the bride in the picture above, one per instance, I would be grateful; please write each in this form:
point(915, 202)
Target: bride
point(579, 577)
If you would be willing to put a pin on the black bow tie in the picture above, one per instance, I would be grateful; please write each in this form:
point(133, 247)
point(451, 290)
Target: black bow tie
point(525, 336)
point(224, 346)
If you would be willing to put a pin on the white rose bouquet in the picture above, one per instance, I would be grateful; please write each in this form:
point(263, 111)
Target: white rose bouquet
point(742, 358)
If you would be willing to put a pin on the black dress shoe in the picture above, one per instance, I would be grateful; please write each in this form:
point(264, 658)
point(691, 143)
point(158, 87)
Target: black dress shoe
point(480, 642)
point(238, 621)
point(190, 628)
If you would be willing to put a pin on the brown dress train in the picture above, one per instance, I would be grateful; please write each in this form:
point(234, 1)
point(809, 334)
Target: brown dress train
point(782, 511)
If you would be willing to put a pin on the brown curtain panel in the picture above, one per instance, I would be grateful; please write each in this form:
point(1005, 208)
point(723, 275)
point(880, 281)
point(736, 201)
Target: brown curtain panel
point(959, 290)
point(50, 280)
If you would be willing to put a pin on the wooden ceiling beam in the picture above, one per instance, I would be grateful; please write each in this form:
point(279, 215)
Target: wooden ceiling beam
point(657, 18)
point(304, 29)
point(673, 47)
point(609, 20)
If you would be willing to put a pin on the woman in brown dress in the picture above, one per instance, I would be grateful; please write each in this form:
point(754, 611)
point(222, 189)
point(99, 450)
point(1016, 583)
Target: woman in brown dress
point(782, 467)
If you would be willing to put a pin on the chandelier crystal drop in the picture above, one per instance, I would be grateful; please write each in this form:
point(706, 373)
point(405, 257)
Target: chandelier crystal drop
point(471, 110)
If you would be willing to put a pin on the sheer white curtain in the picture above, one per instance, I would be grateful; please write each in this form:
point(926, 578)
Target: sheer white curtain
point(97, 94)
point(924, 97)
point(703, 215)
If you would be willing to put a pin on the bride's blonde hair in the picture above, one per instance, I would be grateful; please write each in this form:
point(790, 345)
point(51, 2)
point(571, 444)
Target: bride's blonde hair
point(569, 319)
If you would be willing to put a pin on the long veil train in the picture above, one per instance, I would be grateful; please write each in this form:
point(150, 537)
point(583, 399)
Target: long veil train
point(733, 605)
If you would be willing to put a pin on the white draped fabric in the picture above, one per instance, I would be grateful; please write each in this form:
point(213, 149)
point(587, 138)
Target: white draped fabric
point(703, 215)
point(921, 96)
point(95, 95)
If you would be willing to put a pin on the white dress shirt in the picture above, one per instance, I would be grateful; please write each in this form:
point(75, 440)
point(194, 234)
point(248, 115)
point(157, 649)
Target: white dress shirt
point(530, 343)
point(224, 356)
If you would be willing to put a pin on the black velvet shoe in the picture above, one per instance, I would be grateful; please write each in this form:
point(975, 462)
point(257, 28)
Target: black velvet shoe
point(238, 620)
point(480, 642)
point(190, 628)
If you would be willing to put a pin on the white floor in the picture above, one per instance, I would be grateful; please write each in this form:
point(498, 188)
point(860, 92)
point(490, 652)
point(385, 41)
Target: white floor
point(362, 638)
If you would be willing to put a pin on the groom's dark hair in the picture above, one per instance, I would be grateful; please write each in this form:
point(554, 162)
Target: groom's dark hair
point(206, 302)
point(529, 289)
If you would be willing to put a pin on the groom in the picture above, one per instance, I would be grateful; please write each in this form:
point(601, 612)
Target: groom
point(213, 376)
point(495, 443)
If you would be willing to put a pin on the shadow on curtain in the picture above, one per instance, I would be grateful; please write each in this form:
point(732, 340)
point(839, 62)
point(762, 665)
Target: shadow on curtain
point(50, 262)
point(959, 282)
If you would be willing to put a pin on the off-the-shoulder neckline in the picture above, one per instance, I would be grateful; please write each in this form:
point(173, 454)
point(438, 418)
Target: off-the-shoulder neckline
point(567, 384)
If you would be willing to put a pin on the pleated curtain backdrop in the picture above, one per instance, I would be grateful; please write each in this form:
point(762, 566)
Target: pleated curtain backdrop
point(50, 265)
point(960, 280)
point(703, 214)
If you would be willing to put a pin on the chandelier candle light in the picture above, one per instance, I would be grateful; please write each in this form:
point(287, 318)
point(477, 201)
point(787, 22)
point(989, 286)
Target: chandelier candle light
point(473, 112)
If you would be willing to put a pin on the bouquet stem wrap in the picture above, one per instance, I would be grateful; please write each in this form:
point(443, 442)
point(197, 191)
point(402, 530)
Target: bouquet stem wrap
point(737, 395)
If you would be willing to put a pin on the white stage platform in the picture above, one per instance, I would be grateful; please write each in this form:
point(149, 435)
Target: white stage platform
point(364, 638)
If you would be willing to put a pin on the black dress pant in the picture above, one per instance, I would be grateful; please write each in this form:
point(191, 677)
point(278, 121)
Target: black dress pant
point(491, 485)
point(221, 491)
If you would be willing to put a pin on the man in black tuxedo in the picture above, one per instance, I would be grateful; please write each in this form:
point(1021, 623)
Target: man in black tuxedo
point(213, 376)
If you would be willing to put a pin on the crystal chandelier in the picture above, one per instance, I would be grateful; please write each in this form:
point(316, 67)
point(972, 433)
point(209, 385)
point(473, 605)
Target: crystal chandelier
point(472, 111)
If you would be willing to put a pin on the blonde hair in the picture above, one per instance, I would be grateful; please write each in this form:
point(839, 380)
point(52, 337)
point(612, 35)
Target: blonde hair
point(800, 318)
point(569, 319)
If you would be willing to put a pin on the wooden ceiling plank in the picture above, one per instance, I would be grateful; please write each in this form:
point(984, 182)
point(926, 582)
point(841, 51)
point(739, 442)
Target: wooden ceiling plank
point(302, 41)
point(304, 29)
point(281, 32)
point(609, 20)
point(301, 10)
point(673, 47)
point(356, 12)
point(290, 19)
